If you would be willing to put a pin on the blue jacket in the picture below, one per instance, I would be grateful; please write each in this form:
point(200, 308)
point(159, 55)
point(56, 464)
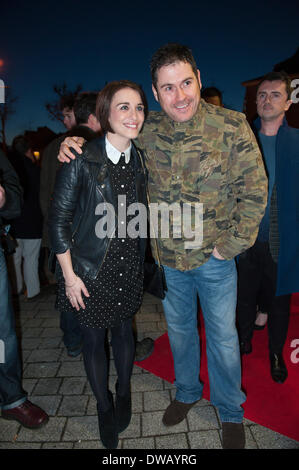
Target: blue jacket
point(287, 185)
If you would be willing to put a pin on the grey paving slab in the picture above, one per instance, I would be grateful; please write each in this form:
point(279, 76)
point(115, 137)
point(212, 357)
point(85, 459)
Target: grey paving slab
point(19, 445)
point(145, 382)
point(82, 428)
point(58, 384)
point(202, 418)
point(152, 425)
point(8, 430)
point(47, 386)
point(142, 443)
point(73, 405)
point(31, 343)
point(44, 355)
point(156, 400)
point(268, 439)
point(73, 385)
point(58, 445)
point(204, 440)
point(177, 441)
point(51, 432)
point(89, 444)
point(41, 369)
point(72, 369)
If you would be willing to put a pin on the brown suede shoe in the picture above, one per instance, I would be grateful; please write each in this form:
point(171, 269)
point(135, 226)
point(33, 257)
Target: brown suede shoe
point(29, 415)
point(176, 412)
point(233, 436)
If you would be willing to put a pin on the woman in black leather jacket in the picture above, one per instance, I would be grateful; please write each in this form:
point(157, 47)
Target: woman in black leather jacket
point(100, 270)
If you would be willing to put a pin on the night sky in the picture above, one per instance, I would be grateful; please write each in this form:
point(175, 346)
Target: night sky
point(91, 43)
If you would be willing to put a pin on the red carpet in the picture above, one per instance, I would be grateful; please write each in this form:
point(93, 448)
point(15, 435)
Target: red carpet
point(273, 405)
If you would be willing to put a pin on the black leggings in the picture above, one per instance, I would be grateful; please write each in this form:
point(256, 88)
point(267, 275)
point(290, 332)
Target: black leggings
point(95, 356)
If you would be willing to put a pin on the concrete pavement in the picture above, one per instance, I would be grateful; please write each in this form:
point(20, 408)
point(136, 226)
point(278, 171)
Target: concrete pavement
point(58, 384)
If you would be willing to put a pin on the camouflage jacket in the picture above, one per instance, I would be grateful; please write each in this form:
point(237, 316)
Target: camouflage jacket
point(214, 160)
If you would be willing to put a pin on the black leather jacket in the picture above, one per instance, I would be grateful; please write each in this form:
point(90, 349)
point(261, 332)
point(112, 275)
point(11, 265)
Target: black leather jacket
point(80, 186)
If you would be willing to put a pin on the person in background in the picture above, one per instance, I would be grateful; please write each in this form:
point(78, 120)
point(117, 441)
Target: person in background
point(13, 399)
point(212, 95)
point(269, 270)
point(27, 228)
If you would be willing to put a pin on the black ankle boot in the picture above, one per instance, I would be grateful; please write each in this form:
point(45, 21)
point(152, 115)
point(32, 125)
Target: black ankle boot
point(123, 410)
point(108, 427)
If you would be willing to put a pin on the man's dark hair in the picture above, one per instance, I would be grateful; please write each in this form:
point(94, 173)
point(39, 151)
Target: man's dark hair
point(67, 101)
point(105, 98)
point(21, 144)
point(275, 76)
point(211, 91)
point(85, 104)
point(169, 54)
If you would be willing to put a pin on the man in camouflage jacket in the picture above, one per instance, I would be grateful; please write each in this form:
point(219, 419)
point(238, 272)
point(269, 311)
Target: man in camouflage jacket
point(197, 153)
point(200, 153)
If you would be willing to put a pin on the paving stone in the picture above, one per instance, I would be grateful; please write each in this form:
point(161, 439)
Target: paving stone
point(152, 425)
point(89, 444)
point(73, 405)
point(49, 403)
point(268, 439)
point(250, 441)
point(83, 428)
point(147, 326)
point(33, 322)
point(154, 401)
point(148, 316)
point(32, 332)
point(19, 445)
point(29, 384)
point(145, 383)
point(202, 418)
point(30, 343)
point(44, 355)
point(50, 343)
point(205, 440)
point(8, 429)
point(178, 441)
point(41, 370)
point(50, 322)
point(142, 443)
point(72, 369)
point(73, 386)
point(58, 445)
point(47, 386)
point(52, 333)
point(51, 432)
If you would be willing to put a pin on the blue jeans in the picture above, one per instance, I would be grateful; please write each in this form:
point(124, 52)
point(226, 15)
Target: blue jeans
point(215, 282)
point(11, 392)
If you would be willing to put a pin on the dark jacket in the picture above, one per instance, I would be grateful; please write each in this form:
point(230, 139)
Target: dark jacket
point(49, 167)
point(29, 224)
point(13, 191)
point(287, 187)
point(80, 186)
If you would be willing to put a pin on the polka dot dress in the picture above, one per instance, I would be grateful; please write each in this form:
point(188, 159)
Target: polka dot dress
point(116, 294)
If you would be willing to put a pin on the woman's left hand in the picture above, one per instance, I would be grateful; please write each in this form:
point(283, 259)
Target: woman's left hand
point(74, 293)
